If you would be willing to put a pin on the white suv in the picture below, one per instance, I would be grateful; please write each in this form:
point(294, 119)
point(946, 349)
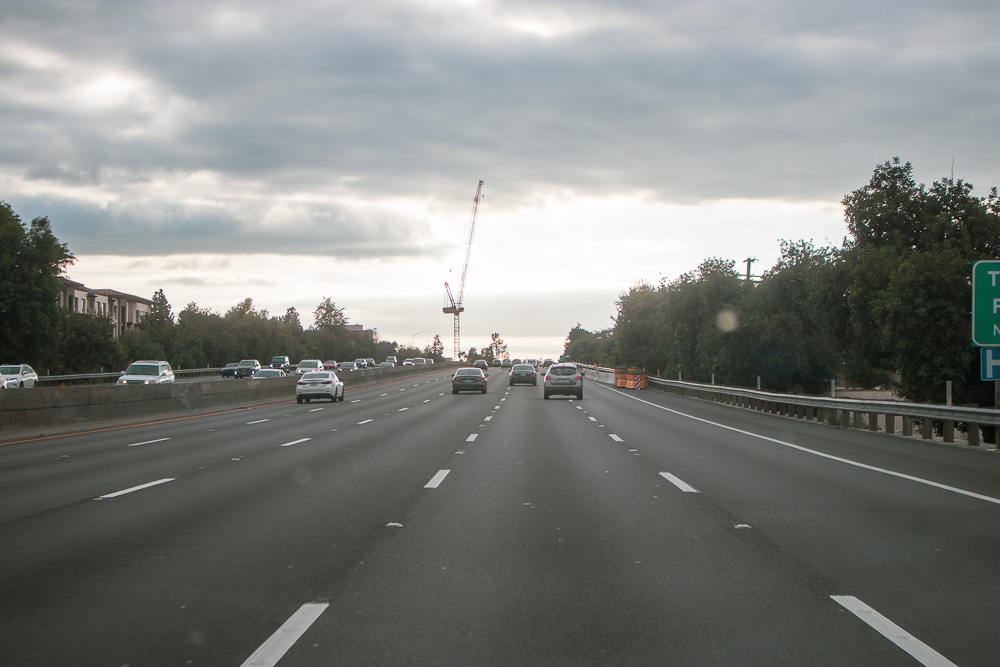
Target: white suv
point(147, 372)
point(308, 366)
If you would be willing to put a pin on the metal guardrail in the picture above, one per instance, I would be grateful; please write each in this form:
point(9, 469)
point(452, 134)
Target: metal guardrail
point(84, 378)
point(846, 412)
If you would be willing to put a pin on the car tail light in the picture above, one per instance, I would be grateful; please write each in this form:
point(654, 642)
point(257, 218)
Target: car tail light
point(548, 378)
point(578, 377)
point(327, 381)
point(300, 382)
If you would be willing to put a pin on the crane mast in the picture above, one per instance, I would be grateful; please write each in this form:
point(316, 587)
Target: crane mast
point(455, 308)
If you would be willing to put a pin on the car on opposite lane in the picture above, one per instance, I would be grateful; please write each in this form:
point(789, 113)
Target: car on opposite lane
point(18, 376)
point(565, 379)
point(147, 372)
point(308, 366)
point(247, 368)
point(319, 384)
point(229, 370)
point(468, 379)
point(269, 373)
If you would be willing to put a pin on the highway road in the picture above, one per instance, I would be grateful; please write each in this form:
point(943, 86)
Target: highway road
point(410, 526)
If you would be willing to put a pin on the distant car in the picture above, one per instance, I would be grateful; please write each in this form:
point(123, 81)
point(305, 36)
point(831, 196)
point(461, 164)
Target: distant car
point(409, 362)
point(523, 374)
point(497, 363)
point(468, 379)
point(419, 361)
point(392, 358)
point(229, 370)
point(269, 373)
point(387, 364)
point(347, 366)
point(548, 362)
point(369, 362)
point(361, 363)
point(147, 372)
point(308, 366)
point(18, 376)
point(481, 363)
point(3, 383)
point(565, 379)
point(506, 363)
point(281, 362)
point(247, 368)
point(330, 365)
point(319, 384)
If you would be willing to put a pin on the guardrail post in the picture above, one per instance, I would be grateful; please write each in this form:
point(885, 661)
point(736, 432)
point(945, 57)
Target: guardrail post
point(859, 419)
point(949, 431)
point(926, 428)
point(890, 424)
point(907, 426)
point(872, 421)
point(973, 435)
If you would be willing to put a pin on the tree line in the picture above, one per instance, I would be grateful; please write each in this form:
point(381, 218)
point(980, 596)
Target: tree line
point(890, 307)
point(35, 330)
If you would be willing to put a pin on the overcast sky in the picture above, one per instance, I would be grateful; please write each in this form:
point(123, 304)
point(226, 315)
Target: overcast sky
point(295, 150)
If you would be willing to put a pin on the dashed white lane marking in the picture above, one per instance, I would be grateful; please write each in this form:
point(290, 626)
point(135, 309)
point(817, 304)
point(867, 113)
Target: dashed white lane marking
point(296, 442)
point(317, 409)
point(923, 653)
point(356, 400)
point(472, 438)
point(593, 419)
point(427, 400)
point(437, 479)
point(367, 421)
point(148, 442)
point(259, 421)
point(486, 419)
point(615, 437)
point(402, 410)
point(271, 651)
point(884, 471)
point(496, 407)
point(679, 483)
point(135, 488)
point(381, 395)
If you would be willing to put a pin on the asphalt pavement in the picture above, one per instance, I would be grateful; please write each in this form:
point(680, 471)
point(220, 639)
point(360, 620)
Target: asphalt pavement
point(410, 526)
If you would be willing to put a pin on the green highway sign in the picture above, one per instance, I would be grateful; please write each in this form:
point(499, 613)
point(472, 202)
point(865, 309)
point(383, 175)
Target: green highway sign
point(986, 303)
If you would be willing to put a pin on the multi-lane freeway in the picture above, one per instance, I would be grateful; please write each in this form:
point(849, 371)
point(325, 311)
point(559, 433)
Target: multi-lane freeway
point(410, 526)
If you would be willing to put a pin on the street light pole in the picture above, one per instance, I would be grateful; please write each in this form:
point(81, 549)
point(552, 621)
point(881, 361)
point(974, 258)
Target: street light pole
point(413, 337)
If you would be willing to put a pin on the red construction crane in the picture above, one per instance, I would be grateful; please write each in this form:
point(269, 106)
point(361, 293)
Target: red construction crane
point(455, 308)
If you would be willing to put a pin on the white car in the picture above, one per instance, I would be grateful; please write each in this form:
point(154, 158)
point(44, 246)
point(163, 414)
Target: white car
point(308, 366)
point(319, 384)
point(18, 375)
point(147, 372)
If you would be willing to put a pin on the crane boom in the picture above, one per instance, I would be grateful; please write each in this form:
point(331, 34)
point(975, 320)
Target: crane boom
point(455, 307)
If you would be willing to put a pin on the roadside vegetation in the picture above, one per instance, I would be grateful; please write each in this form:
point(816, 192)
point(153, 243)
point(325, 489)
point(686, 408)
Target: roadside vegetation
point(890, 307)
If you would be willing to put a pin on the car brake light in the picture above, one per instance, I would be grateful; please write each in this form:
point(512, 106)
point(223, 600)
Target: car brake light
point(578, 377)
point(327, 381)
point(548, 378)
point(300, 382)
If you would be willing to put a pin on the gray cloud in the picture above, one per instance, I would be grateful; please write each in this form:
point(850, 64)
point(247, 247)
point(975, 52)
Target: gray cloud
point(296, 107)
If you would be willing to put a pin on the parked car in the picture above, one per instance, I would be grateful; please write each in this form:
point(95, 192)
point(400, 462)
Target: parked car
point(330, 365)
point(347, 366)
point(468, 379)
point(319, 384)
point(147, 372)
point(229, 370)
point(308, 366)
point(247, 368)
point(18, 376)
point(281, 362)
point(565, 379)
point(269, 373)
point(523, 374)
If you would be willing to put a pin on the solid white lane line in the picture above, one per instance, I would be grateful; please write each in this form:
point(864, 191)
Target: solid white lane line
point(679, 483)
point(615, 437)
point(259, 421)
point(367, 421)
point(295, 442)
point(831, 457)
point(437, 479)
point(472, 438)
point(923, 653)
point(271, 651)
point(136, 488)
point(148, 442)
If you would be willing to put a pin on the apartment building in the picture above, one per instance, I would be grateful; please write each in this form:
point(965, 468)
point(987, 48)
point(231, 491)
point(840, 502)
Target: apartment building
point(124, 310)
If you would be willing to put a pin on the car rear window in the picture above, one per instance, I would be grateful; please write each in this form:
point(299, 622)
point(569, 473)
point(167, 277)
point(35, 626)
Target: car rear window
point(524, 367)
point(469, 371)
point(316, 376)
point(563, 370)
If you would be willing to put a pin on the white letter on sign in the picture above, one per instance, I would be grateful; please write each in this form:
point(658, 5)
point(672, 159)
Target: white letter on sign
point(993, 275)
point(996, 306)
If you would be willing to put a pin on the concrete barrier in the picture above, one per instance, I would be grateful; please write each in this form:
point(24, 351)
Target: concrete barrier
point(61, 406)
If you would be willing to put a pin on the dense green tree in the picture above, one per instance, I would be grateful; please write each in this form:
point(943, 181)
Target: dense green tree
point(31, 259)
point(159, 323)
point(328, 315)
point(85, 345)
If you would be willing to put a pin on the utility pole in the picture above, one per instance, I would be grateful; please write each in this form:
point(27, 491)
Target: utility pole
point(749, 261)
